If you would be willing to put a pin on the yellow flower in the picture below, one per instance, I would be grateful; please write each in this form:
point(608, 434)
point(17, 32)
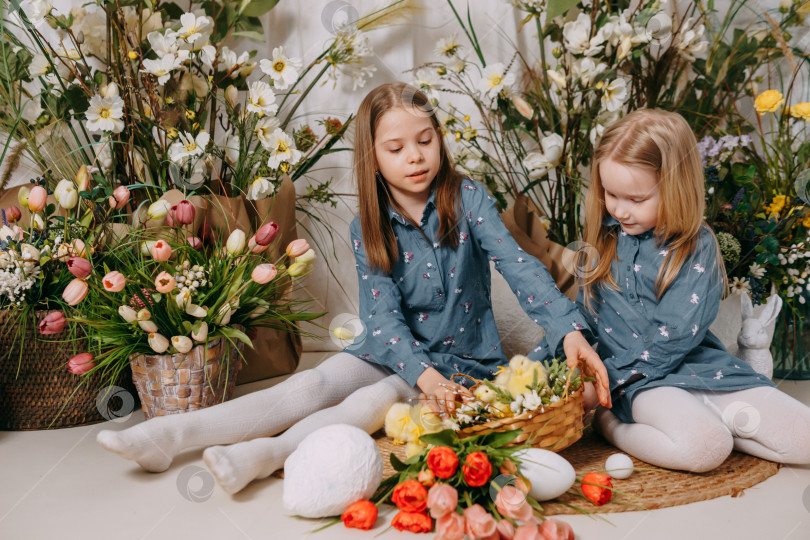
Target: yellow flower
point(777, 205)
point(190, 115)
point(801, 110)
point(172, 134)
point(132, 55)
point(806, 222)
point(769, 101)
point(169, 100)
point(466, 117)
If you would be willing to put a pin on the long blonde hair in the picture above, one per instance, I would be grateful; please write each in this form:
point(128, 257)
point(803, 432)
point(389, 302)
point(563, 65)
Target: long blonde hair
point(662, 142)
point(373, 194)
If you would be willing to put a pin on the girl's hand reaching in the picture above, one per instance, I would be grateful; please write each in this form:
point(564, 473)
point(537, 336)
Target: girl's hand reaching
point(579, 351)
point(439, 393)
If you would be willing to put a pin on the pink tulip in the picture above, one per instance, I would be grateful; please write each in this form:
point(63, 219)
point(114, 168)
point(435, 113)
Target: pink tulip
point(75, 292)
point(554, 529)
point(442, 499)
point(114, 281)
point(53, 323)
point(264, 273)
point(37, 199)
point(81, 363)
point(77, 248)
point(479, 523)
point(512, 503)
point(296, 248)
point(254, 246)
point(13, 214)
point(527, 532)
point(79, 267)
point(184, 212)
point(506, 529)
point(450, 527)
point(120, 197)
point(164, 282)
point(161, 251)
point(83, 178)
point(194, 242)
point(266, 234)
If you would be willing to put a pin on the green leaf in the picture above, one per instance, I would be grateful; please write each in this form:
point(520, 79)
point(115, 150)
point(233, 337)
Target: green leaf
point(256, 8)
point(559, 7)
point(232, 333)
point(250, 34)
point(172, 10)
point(87, 219)
point(446, 437)
point(499, 438)
point(397, 464)
point(770, 243)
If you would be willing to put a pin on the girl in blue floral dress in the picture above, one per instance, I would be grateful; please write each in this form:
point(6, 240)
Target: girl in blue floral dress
point(422, 243)
point(680, 400)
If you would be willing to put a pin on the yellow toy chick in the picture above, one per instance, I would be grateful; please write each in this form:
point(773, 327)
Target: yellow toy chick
point(405, 424)
point(489, 396)
point(520, 373)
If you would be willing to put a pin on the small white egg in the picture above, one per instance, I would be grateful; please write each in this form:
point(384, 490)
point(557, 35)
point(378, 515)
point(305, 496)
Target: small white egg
point(619, 466)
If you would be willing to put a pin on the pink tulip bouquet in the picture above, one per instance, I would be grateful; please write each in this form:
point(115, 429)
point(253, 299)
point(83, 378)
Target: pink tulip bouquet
point(46, 240)
point(163, 291)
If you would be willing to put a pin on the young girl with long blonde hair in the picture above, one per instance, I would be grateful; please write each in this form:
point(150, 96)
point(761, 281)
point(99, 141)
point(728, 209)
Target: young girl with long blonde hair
point(422, 244)
point(680, 400)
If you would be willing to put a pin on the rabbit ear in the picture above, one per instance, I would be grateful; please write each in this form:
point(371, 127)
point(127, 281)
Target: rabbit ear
point(747, 307)
point(772, 310)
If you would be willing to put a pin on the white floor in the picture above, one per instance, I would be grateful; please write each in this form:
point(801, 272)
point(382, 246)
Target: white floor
point(61, 484)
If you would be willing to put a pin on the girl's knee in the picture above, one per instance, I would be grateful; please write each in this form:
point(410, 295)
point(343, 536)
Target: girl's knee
point(707, 450)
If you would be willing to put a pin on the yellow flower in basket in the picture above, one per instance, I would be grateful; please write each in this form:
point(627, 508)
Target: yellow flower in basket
point(769, 101)
point(801, 110)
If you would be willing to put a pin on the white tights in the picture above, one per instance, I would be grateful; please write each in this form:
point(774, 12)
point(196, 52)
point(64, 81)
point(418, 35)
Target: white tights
point(341, 390)
point(696, 430)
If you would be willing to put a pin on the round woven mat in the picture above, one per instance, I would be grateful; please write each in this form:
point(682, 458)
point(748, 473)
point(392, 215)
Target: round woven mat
point(645, 489)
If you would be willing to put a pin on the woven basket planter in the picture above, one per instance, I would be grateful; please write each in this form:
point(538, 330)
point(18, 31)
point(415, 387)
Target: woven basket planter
point(32, 398)
point(552, 427)
point(183, 382)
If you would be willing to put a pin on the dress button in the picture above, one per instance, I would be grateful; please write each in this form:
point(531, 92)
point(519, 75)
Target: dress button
point(629, 267)
point(632, 296)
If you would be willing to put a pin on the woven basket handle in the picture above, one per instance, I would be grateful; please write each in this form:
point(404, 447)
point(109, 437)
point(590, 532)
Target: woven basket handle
point(571, 374)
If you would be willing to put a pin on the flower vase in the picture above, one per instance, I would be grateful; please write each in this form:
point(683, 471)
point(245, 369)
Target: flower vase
point(791, 345)
point(183, 382)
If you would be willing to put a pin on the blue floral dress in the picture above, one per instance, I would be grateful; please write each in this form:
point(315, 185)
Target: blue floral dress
point(434, 309)
point(645, 343)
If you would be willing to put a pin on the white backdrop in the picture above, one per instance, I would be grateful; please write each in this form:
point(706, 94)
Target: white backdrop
point(304, 28)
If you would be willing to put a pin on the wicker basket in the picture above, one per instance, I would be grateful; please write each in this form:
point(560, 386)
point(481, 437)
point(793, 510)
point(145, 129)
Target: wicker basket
point(41, 395)
point(552, 427)
point(178, 383)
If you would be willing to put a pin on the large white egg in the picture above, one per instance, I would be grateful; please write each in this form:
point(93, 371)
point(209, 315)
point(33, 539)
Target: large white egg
point(332, 467)
point(550, 474)
point(619, 466)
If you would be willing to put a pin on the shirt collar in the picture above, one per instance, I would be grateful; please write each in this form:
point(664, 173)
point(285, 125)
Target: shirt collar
point(610, 221)
point(431, 203)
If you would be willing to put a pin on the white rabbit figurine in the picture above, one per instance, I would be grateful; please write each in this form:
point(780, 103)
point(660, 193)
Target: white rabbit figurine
point(755, 335)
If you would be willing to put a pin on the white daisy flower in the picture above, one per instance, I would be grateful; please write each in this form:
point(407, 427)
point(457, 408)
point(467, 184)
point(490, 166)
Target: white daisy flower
point(756, 270)
point(105, 114)
point(427, 80)
point(615, 94)
point(187, 146)
point(448, 46)
point(192, 27)
point(261, 99)
point(162, 67)
point(264, 129)
point(282, 150)
point(39, 66)
point(740, 286)
point(495, 80)
point(260, 188)
point(283, 70)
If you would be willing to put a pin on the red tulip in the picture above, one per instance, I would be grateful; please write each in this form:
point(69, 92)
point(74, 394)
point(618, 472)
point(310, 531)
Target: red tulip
point(600, 493)
point(79, 267)
point(254, 246)
point(37, 199)
point(266, 234)
point(184, 212)
point(13, 214)
point(81, 363)
point(75, 292)
point(53, 323)
point(161, 251)
point(114, 281)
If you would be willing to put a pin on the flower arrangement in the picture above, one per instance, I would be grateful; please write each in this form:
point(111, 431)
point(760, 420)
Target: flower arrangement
point(524, 387)
point(153, 96)
point(461, 486)
point(164, 290)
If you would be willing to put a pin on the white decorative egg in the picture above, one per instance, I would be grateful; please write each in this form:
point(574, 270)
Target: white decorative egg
point(619, 466)
point(332, 468)
point(550, 474)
